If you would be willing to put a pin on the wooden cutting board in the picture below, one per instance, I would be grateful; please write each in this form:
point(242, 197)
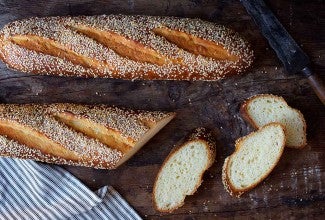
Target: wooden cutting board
point(294, 189)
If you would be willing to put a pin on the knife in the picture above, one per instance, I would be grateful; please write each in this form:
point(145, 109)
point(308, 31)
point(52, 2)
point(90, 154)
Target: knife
point(291, 55)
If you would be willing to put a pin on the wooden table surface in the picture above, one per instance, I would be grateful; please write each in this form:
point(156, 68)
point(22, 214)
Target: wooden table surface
point(296, 186)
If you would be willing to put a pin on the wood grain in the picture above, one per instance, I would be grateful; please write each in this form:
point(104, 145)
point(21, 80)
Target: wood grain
point(295, 189)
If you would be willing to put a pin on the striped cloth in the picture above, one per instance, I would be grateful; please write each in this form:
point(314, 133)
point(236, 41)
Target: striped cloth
point(31, 190)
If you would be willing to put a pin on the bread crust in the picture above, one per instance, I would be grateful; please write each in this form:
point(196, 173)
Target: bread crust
point(199, 134)
point(79, 53)
point(229, 187)
point(244, 112)
point(32, 131)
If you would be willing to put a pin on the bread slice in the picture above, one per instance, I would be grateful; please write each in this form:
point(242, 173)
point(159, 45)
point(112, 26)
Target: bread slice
point(254, 158)
point(182, 171)
point(262, 109)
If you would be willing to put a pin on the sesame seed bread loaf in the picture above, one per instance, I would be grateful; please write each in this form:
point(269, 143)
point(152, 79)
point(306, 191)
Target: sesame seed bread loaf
point(254, 158)
point(94, 136)
point(262, 109)
point(182, 171)
point(126, 47)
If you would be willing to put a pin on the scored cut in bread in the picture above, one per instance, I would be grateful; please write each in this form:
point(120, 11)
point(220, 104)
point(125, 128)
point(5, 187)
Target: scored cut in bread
point(262, 109)
point(96, 136)
point(254, 158)
point(182, 171)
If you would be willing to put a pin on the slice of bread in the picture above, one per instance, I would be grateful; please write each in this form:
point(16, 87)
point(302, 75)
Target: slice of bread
point(262, 109)
point(254, 158)
point(182, 171)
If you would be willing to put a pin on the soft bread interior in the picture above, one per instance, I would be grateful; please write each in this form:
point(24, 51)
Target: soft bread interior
point(51, 47)
point(122, 45)
point(255, 156)
point(33, 139)
point(110, 137)
point(195, 44)
point(266, 109)
point(154, 129)
point(181, 175)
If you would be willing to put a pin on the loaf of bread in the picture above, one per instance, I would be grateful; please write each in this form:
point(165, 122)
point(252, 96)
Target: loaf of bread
point(95, 136)
point(125, 47)
point(254, 158)
point(182, 171)
point(262, 109)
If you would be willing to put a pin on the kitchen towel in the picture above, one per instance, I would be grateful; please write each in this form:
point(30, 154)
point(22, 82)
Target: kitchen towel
point(32, 190)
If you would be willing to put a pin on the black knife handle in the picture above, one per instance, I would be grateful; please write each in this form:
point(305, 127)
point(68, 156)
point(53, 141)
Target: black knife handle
point(316, 83)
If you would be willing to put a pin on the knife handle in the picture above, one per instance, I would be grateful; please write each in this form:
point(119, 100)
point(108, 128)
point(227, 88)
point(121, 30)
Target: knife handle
point(316, 83)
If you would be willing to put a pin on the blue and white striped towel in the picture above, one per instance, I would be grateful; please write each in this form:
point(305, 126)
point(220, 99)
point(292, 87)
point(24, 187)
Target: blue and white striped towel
point(31, 190)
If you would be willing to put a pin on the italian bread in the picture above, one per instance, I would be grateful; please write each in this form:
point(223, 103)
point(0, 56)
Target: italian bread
point(254, 158)
point(94, 136)
point(262, 109)
point(125, 47)
point(182, 171)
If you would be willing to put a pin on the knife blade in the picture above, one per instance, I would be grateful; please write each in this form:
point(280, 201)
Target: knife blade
point(288, 51)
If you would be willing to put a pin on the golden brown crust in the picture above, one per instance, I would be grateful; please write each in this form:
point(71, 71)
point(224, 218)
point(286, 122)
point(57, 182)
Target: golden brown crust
point(225, 178)
point(120, 46)
point(199, 134)
point(244, 113)
point(33, 131)
point(97, 131)
point(35, 139)
point(228, 187)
